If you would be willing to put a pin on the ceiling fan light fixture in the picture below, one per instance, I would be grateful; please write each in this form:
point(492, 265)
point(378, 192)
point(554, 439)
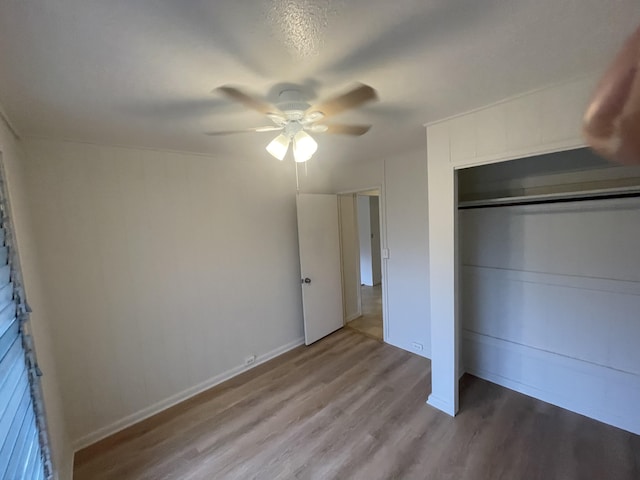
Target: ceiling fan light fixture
point(278, 146)
point(293, 115)
point(304, 146)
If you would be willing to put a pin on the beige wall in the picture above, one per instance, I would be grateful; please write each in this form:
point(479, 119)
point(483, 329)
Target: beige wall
point(164, 271)
point(14, 165)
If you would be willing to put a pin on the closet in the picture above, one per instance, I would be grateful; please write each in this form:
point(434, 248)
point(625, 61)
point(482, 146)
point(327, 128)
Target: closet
point(549, 281)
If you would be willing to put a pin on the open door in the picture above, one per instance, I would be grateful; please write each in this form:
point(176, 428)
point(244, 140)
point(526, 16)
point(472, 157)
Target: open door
point(319, 244)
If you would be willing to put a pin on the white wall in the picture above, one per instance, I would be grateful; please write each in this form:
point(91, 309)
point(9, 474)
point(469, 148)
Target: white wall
point(349, 252)
point(408, 243)
point(357, 176)
point(405, 234)
point(13, 159)
point(163, 272)
point(364, 236)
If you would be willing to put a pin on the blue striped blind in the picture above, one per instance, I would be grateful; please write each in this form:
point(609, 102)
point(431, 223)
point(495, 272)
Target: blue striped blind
point(24, 452)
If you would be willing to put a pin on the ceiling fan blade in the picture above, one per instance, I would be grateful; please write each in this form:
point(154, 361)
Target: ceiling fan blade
point(270, 128)
point(248, 100)
point(347, 129)
point(352, 99)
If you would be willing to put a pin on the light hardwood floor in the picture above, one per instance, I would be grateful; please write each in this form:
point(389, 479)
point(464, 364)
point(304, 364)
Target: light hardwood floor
point(370, 322)
point(351, 407)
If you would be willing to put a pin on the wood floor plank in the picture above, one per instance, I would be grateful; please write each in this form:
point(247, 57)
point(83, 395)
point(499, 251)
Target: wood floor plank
point(350, 407)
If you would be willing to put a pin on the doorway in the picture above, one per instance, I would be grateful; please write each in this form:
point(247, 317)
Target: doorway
point(361, 248)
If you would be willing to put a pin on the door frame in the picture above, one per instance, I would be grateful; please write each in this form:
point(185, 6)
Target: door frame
point(382, 208)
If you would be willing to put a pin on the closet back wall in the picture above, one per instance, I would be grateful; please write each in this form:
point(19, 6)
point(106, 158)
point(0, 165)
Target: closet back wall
point(163, 272)
point(550, 302)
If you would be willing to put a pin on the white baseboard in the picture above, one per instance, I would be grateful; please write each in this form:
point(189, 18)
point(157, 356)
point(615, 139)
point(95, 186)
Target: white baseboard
point(151, 410)
point(441, 405)
point(604, 394)
point(425, 352)
point(353, 316)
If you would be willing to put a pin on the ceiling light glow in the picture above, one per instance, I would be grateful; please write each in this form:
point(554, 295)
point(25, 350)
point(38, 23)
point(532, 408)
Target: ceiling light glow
point(304, 146)
point(279, 146)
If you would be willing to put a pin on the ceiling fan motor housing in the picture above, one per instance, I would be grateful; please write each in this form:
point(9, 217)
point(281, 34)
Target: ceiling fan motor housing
point(291, 103)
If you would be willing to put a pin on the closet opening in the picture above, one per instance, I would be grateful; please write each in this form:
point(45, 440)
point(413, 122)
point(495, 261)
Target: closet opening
point(549, 281)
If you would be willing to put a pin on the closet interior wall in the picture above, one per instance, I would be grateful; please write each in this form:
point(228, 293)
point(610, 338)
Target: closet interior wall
point(550, 292)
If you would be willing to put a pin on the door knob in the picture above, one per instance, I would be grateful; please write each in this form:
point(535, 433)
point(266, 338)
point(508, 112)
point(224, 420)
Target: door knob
point(306, 280)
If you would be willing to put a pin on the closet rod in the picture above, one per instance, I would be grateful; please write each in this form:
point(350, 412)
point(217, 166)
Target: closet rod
point(563, 197)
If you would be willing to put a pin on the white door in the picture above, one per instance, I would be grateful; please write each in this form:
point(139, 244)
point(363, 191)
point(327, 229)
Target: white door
point(319, 242)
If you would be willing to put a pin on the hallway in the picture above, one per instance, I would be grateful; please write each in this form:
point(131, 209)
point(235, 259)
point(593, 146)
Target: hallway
point(370, 323)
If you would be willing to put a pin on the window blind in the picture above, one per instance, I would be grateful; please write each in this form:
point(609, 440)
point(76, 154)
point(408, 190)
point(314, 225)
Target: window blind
point(24, 450)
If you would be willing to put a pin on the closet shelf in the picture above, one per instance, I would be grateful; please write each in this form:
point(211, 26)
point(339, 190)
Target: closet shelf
point(560, 197)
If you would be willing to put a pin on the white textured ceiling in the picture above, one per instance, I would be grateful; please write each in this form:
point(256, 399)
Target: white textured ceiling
point(140, 72)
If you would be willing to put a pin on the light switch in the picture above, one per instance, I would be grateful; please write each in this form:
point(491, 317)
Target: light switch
point(385, 253)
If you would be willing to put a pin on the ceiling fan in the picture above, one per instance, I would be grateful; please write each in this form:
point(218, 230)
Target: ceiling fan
point(294, 118)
